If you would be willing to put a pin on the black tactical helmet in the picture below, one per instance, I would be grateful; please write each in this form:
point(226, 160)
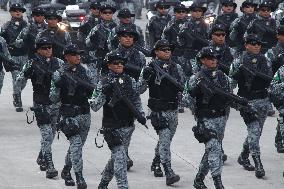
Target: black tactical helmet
point(42, 42)
point(38, 11)
point(72, 49)
point(252, 38)
point(162, 3)
point(125, 13)
point(162, 43)
point(198, 5)
point(266, 3)
point(216, 27)
point(206, 52)
point(127, 30)
point(229, 2)
point(248, 2)
point(180, 7)
point(95, 5)
point(53, 14)
point(106, 7)
point(114, 56)
point(17, 6)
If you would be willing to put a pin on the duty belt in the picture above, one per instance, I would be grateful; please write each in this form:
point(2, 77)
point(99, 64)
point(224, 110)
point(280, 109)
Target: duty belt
point(158, 105)
point(205, 113)
point(70, 110)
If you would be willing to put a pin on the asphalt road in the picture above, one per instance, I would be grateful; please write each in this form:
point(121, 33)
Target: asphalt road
point(20, 144)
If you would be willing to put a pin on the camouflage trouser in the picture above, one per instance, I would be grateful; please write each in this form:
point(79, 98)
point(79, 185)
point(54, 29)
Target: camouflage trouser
point(117, 164)
point(20, 60)
point(255, 128)
point(2, 74)
point(163, 147)
point(48, 131)
point(279, 138)
point(74, 153)
point(212, 158)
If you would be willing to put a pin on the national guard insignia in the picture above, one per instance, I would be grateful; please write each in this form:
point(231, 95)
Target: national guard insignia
point(254, 60)
point(120, 80)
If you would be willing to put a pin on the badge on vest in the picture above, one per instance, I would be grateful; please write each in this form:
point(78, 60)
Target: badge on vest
point(120, 80)
point(254, 60)
point(17, 23)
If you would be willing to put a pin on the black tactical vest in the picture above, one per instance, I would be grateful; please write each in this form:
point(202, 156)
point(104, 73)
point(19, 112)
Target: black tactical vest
point(120, 115)
point(41, 76)
point(255, 88)
point(157, 25)
point(224, 57)
point(12, 30)
point(166, 91)
point(212, 105)
point(81, 93)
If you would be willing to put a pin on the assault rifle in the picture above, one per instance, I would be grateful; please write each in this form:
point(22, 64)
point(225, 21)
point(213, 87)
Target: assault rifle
point(196, 36)
point(251, 73)
point(161, 74)
point(119, 95)
point(210, 87)
point(73, 81)
point(144, 50)
point(42, 72)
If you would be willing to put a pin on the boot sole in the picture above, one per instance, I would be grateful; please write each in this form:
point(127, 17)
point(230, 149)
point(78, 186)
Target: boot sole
point(71, 183)
point(176, 179)
point(260, 176)
point(242, 164)
point(51, 175)
point(199, 187)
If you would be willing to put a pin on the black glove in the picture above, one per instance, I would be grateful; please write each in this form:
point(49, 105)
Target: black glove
point(142, 120)
point(147, 73)
point(107, 89)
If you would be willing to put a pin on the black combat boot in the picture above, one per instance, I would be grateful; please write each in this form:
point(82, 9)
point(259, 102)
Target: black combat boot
point(41, 161)
point(51, 172)
point(279, 143)
point(218, 182)
point(81, 184)
point(259, 171)
point(244, 159)
point(129, 162)
point(198, 181)
point(156, 167)
point(103, 184)
point(18, 102)
point(66, 175)
point(171, 177)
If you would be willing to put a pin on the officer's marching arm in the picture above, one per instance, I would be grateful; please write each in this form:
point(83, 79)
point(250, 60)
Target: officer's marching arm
point(276, 89)
point(234, 73)
point(98, 98)
point(54, 94)
point(5, 57)
point(25, 74)
point(189, 94)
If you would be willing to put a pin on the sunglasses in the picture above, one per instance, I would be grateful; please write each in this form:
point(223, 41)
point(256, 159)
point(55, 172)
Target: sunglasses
point(219, 34)
point(107, 12)
point(265, 10)
point(16, 10)
point(228, 5)
point(180, 11)
point(165, 49)
point(127, 35)
point(37, 14)
point(46, 47)
point(254, 43)
point(117, 62)
point(249, 6)
point(197, 10)
point(73, 54)
point(163, 7)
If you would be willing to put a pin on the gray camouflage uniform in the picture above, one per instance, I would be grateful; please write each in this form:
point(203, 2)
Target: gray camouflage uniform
point(6, 53)
point(261, 105)
point(117, 164)
point(47, 130)
point(83, 121)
